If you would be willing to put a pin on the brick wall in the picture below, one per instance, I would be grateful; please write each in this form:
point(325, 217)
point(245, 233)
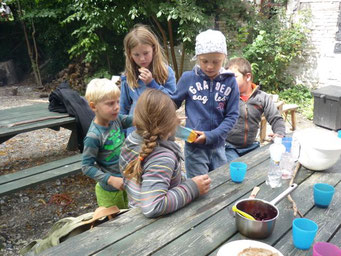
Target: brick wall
point(322, 64)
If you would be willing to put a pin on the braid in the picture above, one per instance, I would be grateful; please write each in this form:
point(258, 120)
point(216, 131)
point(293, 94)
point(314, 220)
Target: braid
point(149, 143)
point(155, 119)
point(134, 168)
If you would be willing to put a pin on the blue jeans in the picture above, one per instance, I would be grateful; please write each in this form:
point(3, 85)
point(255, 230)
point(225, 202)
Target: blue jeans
point(232, 152)
point(199, 161)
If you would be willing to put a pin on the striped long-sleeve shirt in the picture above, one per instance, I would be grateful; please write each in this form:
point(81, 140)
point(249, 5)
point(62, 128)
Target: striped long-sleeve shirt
point(162, 189)
point(102, 147)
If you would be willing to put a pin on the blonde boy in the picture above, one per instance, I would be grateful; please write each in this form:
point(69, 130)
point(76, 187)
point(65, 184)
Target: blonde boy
point(102, 144)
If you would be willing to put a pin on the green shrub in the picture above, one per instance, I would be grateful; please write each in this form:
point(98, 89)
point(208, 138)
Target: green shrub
point(102, 73)
point(278, 42)
point(300, 95)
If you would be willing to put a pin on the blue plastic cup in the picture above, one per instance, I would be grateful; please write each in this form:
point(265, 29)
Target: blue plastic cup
point(287, 142)
point(323, 194)
point(238, 171)
point(303, 233)
point(289, 139)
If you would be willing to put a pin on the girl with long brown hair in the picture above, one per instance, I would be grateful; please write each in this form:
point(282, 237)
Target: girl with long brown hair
point(150, 162)
point(145, 67)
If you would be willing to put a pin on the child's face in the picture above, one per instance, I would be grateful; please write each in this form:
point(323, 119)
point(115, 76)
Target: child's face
point(211, 63)
point(142, 55)
point(106, 110)
point(244, 82)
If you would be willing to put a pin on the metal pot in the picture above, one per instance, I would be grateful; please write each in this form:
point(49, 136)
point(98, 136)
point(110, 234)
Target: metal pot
point(264, 212)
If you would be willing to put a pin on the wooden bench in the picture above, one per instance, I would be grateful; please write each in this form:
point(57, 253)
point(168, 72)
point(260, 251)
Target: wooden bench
point(18, 120)
point(284, 110)
point(290, 109)
point(10, 183)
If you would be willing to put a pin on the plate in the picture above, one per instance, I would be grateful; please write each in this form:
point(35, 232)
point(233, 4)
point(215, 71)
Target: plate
point(235, 247)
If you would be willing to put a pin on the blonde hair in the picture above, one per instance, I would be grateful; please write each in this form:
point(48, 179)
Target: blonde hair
point(141, 34)
point(100, 89)
point(155, 118)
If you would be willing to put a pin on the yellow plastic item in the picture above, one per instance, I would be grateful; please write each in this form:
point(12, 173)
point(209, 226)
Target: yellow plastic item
point(246, 215)
point(186, 134)
point(192, 136)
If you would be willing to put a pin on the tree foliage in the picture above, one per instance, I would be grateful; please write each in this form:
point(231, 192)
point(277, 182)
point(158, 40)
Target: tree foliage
point(92, 31)
point(174, 21)
point(99, 29)
point(277, 44)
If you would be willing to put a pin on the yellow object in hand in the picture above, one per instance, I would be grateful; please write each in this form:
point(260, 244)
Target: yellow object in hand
point(186, 134)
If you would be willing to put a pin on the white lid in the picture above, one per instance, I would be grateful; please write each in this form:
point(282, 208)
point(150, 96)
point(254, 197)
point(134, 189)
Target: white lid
point(278, 140)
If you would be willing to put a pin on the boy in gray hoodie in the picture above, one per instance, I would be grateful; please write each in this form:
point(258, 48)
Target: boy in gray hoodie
point(252, 104)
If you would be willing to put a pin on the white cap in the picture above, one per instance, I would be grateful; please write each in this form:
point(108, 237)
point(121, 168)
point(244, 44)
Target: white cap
point(210, 41)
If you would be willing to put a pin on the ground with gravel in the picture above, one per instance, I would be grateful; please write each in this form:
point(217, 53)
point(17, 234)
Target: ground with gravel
point(30, 213)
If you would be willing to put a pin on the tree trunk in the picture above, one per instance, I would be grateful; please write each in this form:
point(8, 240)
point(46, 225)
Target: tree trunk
point(171, 44)
point(164, 38)
point(28, 45)
point(182, 60)
point(37, 70)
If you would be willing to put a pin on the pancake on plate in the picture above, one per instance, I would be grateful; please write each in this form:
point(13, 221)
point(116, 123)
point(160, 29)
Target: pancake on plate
point(257, 252)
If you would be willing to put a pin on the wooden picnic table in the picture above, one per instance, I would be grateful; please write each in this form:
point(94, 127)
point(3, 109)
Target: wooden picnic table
point(18, 120)
point(206, 224)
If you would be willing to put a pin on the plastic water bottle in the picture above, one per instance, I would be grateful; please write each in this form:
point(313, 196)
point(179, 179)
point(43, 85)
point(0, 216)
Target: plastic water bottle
point(275, 174)
point(295, 147)
point(287, 162)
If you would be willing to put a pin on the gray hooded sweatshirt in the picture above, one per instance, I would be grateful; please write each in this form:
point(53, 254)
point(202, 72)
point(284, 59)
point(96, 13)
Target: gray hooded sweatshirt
point(244, 132)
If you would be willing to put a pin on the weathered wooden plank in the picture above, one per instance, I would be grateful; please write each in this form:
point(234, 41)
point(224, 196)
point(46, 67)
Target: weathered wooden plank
point(185, 219)
point(24, 113)
point(39, 169)
point(304, 199)
point(31, 112)
point(36, 118)
point(27, 116)
point(211, 234)
point(17, 111)
point(6, 131)
point(328, 220)
point(100, 236)
point(254, 158)
point(130, 225)
point(336, 239)
point(29, 181)
point(205, 224)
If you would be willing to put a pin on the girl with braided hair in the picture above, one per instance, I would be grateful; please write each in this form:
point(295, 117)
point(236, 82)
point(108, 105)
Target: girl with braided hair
point(150, 162)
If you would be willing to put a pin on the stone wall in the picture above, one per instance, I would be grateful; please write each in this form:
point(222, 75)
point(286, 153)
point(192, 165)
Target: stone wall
point(322, 64)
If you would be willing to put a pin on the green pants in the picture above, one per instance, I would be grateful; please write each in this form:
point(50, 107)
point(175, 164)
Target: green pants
point(111, 198)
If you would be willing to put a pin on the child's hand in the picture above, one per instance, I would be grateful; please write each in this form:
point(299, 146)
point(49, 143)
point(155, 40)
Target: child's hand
point(145, 75)
point(203, 182)
point(116, 182)
point(201, 139)
point(272, 136)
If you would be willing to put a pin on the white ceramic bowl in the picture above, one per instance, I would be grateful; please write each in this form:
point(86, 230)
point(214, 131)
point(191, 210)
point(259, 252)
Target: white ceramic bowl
point(319, 149)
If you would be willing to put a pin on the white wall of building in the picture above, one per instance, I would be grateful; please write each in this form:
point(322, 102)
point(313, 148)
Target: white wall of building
point(322, 66)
